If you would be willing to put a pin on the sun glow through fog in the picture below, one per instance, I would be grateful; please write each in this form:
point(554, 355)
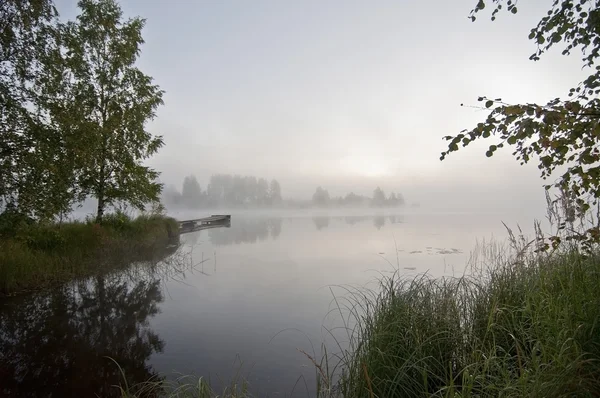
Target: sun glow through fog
point(365, 166)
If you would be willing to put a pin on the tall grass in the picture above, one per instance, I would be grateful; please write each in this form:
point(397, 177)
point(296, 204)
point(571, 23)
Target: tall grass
point(184, 386)
point(34, 256)
point(526, 326)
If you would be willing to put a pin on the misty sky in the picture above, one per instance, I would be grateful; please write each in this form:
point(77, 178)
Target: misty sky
point(344, 94)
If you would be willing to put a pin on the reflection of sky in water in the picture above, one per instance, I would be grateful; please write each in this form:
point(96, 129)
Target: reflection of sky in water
point(260, 293)
point(268, 273)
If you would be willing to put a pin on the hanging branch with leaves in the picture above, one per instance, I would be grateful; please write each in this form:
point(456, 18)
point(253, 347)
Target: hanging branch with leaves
point(563, 134)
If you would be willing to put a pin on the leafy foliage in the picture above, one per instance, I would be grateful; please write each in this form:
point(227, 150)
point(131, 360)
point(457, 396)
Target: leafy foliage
point(320, 197)
point(73, 110)
point(562, 135)
point(33, 159)
point(101, 101)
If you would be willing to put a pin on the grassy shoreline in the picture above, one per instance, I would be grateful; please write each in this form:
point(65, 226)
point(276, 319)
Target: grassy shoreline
point(520, 328)
point(34, 256)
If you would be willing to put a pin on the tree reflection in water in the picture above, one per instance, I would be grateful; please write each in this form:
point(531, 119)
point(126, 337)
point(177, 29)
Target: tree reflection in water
point(378, 221)
point(246, 230)
point(321, 222)
point(57, 343)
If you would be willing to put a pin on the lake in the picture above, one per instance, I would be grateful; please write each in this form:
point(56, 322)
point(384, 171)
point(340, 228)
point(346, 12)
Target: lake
point(252, 299)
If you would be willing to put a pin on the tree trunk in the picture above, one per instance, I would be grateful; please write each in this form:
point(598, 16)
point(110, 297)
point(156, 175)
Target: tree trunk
point(100, 210)
point(100, 195)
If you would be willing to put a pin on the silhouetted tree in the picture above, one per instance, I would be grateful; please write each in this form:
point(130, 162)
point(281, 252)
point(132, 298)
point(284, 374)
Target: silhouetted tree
point(191, 193)
point(275, 192)
point(395, 200)
point(321, 197)
point(353, 199)
point(378, 197)
point(262, 192)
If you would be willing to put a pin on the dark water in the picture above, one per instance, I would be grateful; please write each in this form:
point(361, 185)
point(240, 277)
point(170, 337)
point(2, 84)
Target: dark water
point(246, 299)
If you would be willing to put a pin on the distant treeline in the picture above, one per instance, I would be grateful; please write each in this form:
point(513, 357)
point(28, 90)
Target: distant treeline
point(225, 190)
point(321, 198)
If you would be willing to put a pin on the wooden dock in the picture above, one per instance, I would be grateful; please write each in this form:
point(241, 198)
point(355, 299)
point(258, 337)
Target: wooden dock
point(214, 221)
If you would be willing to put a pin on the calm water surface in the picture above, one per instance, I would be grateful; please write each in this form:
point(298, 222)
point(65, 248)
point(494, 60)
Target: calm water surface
point(252, 297)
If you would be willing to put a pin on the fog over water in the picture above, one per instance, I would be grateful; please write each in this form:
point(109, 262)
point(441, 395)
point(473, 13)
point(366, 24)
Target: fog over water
point(348, 96)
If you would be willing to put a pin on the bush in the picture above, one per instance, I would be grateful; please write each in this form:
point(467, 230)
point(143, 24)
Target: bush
point(41, 238)
point(118, 221)
point(11, 221)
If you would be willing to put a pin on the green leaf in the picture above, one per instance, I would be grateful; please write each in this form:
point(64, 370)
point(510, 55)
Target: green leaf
point(489, 103)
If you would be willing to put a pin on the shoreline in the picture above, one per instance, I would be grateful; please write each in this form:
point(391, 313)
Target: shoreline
point(34, 256)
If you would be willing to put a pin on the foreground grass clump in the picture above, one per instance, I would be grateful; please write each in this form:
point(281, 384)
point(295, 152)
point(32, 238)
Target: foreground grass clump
point(526, 328)
point(34, 256)
point(182, 387)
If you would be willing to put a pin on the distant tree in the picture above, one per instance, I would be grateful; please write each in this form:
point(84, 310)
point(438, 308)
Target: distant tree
point(563, 133)
point(395, 200)
point(238, 191)
point(353, 199)
point(250, 190)
point(191, 193)
point(400, 199)
point(171, 196)
point(321, 197)
point(106, 101)
point(378, 197)
point(227, 187)
point(214, 190)
point(350, 198)
point(262, 192)
point(338, 201)
point(275, 192)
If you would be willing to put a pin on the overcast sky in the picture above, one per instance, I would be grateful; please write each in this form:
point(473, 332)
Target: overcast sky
point(344, 94)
